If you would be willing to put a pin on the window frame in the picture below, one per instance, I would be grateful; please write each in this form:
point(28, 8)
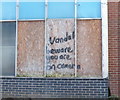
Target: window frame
point(104, 17)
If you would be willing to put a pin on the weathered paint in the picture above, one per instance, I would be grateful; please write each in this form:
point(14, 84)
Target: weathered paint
point(56, 30)
point(30, 48)
point(89, 48)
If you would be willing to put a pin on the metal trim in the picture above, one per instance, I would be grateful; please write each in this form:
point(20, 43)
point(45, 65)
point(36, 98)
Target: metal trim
point(46, 16)
point(75, 38)
point(30, 19)
point(17, 16)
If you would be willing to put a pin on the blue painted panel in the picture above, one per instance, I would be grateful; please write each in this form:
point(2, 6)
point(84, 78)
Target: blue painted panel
point(36, 10)
point(8, 10)
point(0, 10)
point(32, 10)
point(61, 10)
point(89, 9)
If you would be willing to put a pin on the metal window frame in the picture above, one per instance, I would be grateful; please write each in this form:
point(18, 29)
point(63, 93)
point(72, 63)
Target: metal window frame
point(75, 38)
point(17, 17)
point(46, 16)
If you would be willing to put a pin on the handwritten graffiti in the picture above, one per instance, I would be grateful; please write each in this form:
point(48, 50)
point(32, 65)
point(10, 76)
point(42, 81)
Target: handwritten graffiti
point(59, 50)
point(60, 55)
point(62, 39)
point(56, 57)
point(62, 66)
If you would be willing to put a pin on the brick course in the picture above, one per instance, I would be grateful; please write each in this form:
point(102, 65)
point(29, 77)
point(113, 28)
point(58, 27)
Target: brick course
point(54, 88)
point(114, 47)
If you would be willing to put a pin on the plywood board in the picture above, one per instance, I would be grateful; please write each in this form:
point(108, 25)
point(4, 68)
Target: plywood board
point(60, 48)
point(30, 59)
point(60, 53)
point(89, 48)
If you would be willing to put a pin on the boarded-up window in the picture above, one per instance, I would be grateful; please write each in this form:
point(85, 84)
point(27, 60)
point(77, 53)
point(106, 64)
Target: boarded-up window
point(31, 48)
point(60, 53)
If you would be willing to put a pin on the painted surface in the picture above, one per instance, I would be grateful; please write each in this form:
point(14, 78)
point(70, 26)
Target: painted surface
point(89, 9)
point(60, 47)
point(8, 10)
point(36, 10)
point(61, 10)
point(89, 48)
point(32, 10)
point(30, 48)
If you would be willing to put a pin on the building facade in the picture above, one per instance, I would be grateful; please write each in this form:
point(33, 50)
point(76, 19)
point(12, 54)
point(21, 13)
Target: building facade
point(60, 49)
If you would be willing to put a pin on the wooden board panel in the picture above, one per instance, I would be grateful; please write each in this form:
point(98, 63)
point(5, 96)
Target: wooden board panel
point(89, 48)
point(30, 48)
point(60, 48)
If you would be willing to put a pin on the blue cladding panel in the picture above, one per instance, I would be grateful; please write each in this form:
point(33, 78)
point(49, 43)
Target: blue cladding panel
point(32, 10)
point(8, 11)
point(61, 10)
point(36, 10)
point(0, 10)
point(89, 9)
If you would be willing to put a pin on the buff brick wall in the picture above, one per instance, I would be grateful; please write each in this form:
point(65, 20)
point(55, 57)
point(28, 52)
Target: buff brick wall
point(114, 47)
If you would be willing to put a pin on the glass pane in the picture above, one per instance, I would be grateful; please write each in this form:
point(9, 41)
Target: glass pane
point(8, 10)
point(0, 60)
point(8, 48)
point(32, 10)
point(0, 34)
point(89, 9)
point(0, 49)
point(61, 9)
point(8, 33)
point(8, 60)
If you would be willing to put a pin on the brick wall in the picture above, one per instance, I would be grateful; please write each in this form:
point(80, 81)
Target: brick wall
point(54, 87)
point(114, 47)
point(119, 47)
